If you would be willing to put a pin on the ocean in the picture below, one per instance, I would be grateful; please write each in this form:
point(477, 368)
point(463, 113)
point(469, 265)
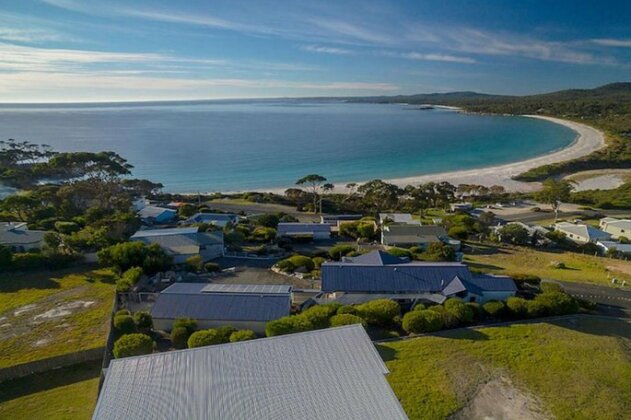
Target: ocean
point(267, 144)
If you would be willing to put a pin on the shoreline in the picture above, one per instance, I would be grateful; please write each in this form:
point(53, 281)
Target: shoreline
point(588, 139)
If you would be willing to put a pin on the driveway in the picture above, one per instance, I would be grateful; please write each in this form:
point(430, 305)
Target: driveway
point(611, 300)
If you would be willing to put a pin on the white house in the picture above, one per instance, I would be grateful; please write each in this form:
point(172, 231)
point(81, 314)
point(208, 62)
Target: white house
point(581, 233)
point(18, 237)
point(182, 243)
point(616, 227)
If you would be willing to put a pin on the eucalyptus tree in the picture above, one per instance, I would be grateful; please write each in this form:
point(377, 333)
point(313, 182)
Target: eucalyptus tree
point(314, 183)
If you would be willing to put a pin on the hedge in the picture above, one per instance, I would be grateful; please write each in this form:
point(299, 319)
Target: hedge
point(204, 338)
point(380, 312)
point(242, 335)
point(494, 308)
point(133, 345)
point(346, 319)
point(179, 337)
point(287, 325)
point(124, 324)
point(422, 321)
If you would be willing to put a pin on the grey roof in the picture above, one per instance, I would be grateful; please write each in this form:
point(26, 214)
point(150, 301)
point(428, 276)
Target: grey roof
point(404, 277)
point(625, 248)
point(455, 286)
point(268, 289)
point(203, 301)
point(412, 234)
point(375, 258)
point(154, 211)
point(302, 228)
point(585, 231)
point(18, 234)
point(211, 217)
point(179, 241)
point(397, 218)
point(328, 374)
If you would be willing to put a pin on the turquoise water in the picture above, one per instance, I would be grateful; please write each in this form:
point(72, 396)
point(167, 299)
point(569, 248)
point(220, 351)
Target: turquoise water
point(245, 145)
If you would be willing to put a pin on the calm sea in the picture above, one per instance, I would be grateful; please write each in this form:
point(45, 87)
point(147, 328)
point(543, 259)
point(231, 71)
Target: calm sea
point(245, 145)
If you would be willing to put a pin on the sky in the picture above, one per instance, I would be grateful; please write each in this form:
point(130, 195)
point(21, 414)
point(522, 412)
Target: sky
point(83, 51)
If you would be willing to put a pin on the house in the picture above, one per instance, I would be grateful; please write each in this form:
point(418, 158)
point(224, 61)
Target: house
point(315, 231)
point(335, 373)
point(182, 243)
point(241, 306)
point(408, 235)
point(581, 233)
point(607, 246)
point(385, 218)
point(461, 206)
point(18, 237)
point(378, 274)
point(156, 215)
point(218, 219)
point(616, 227)
point(534, 231)
point(336, 220)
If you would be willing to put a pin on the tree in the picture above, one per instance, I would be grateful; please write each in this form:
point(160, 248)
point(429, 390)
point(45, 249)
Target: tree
point(554, 192)
point(380, 195)
point(133, 345)
point(325, 188)
point(125, 255)
point(242, 335)
point(514, 234)
point(314, 182)
point(6, 256)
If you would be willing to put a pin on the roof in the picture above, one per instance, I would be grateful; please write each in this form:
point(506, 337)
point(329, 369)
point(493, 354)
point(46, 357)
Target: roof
point(152, 212)
point(375, 258)
point(619, 223)
point(179, 241)
point(490, 283)
point(18, 234)
point(401, 277)
point(203, 301)
point(334, 373)
point(302, 228)
point(211, 217)
point(164, 232)
point(410, 234)
point(585, 231)
point(398, 218)
point(625, 248)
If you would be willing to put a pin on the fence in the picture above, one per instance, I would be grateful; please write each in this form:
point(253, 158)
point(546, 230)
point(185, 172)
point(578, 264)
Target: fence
point(43, 365)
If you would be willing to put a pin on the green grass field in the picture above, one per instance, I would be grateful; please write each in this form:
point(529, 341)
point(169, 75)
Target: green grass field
point(577, 369)
point(579, 267)
point(68, 393)
point(47, 314)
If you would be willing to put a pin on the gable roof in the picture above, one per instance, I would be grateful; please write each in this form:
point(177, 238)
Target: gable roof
point(585, 231)
point(18, 234)
point(619, 223)
point(203, 301)
point(179, 241)
point(375, 258)
point(302, 228)
point(152, 212)
point(607, 245)
point(212, 217)
point(334, 373)
point(410, 234)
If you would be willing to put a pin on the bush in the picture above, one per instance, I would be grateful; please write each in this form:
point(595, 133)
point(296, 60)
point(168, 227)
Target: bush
point(133, 345)
point(287, 325)
point(347, 309)
point(143, 321)
point(204, 338)
point(456, 313)
point(124, 324)
point(300, 261)
point(476, 309)
point(346, 319)
point(522, 279)
point(517, 307)
point(66, 228)
point(319, 315)
point(6, 256)
point(458, 232)
point(189, 324)
point(133, 275)
point(339, 251)
point(123, 285)
point(286, 266)
point(179, 337)
point(400, 252)
point(437, 251)
point(242, 335)
point(268, 220)
point(194, 264)
point(535, 309)
point(318, 261)
point(212, 267)
point(225, 332)
point(423, 321)
point(550, 287)
point(494, 308)
point(125, 255)
point(122, 312)
point(557, 303)
point(419, 307)
point(379, 312)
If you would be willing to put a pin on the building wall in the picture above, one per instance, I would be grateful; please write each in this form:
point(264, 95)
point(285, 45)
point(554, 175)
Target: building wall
point(574, 238)
point(203, 324)
point(212, 251)
point(487, 296)
point(616, 231)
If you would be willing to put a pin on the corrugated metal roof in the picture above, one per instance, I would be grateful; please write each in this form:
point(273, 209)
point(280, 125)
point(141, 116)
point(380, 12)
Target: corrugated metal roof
point(179, 241)
point(454, 286)
point(489, 283)
point(375, 258)
point(153, 212)
point(165, 232)
point(300, 228)
point(185, 287)
point(17, 234)
point(212, 217)
point(268, 289)
point(334, 373)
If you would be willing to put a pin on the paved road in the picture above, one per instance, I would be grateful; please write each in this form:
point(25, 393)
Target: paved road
point(611, 300)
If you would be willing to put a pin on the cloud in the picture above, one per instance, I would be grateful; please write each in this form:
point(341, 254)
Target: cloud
point(326, 50)
point(609, 42)
point(438, 57)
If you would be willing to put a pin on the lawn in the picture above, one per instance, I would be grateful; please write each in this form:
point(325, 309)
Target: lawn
point(47, 314)
point(580, 268)
point(571, 369)
point(68, 393)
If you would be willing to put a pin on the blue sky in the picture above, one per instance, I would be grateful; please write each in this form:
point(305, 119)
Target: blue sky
point(71, 50)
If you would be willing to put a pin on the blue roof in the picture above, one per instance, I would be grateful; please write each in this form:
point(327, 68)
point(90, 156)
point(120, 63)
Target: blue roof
point(303, 228)
point(490, 283)
point(199, 301)
point(165, 232)
point(211, 217)
point(376, 258)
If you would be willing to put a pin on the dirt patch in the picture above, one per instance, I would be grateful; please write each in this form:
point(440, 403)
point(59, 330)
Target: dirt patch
point(26, 308)
point(498, 399)
point(63, 310)
point(620, 266)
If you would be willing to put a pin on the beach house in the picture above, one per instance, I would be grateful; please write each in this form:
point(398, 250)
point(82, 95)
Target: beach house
point(18, 237)
point(408, 235)
point(182, 243)
point(315, 231)
point(581, 233)
point(378, 274)
point(218, 219)
point(616, 227)
point(156, 215)
point(242, 306)
point(335, 373)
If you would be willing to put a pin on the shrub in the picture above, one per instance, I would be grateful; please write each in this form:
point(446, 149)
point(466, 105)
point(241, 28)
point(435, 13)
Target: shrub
point(437, 251)
point(179, 337)
point(287, 325)
point(204, 338)
point(286, 266)
point(476, 309)
point(300, 261)
point(6, 256)
point(263, 234)
point(550, 287)
point(194, 264)
point(225, 332)
point(125, 255)
point(558, 303)
point(212, 267)
point(456, 313)
point(123, 285)
point(268, 220)
point(122, 312)
point(587, 304)
point(143, 321)
point(189, 324)
point(558, 265)
point(242, 335)
point(379, 312)
point(318, 316)
point(535, 308)
point(133, 275)
point(522, 279)
point(422, 321)
point(346, 319)
point(517, 307)
point(66, 227)
point(458, 232)
point(419, 307)
point(339, 251)
point(124, 324)
point(400, 252)
point(133, 345)
point(318, 261)
point(347, 309)
point(494, 308)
